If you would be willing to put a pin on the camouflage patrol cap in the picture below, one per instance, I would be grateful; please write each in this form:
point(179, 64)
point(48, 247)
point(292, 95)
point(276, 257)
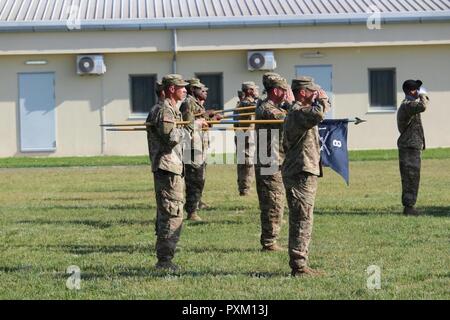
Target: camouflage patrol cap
point(195, 83)
point(248, 85)
point(298, 84)
point(173, 79)
point(266, 76)
point(277, 82)
point(305, 79)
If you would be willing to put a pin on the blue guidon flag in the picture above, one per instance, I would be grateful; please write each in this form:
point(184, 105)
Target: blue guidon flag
point(333, 146)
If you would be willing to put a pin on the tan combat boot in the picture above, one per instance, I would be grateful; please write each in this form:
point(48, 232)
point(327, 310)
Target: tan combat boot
point(306, 271)
point(203, 205)
point(193, 217)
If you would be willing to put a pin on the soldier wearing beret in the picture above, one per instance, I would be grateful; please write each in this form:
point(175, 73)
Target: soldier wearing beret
point(166, 152)
point(301, 168)
point(411, 142)
point(270, 155)
point(245, 171)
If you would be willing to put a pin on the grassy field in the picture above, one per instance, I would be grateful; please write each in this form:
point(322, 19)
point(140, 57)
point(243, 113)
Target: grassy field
point(50, 162)
point(102, 218)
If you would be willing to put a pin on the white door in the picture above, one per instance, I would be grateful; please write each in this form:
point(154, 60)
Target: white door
point(37, 112)
point(323, 76)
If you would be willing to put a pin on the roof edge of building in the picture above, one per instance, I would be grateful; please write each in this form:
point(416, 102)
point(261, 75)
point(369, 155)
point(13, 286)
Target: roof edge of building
point(219, 23)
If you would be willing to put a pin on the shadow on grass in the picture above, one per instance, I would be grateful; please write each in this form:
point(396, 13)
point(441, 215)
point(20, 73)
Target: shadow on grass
point(90, 223)
point(93, 207)
point(88, 249)
point(435, 211)
point(131, 249)
point(91, 199)
point(205, 222)
point(152, 272)
point(122, 222)
point(81, 249)
point(220, 250)
point(20, 268)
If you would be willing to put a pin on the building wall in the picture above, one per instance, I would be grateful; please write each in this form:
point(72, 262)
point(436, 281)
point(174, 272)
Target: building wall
point(80, 100)
point(218, 39)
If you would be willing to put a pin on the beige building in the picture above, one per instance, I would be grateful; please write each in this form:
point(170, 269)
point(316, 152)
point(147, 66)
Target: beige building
point(359, 54)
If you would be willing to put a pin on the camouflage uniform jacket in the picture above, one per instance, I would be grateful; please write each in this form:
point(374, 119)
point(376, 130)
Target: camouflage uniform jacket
point(149, 120)
point(191, 110)
point(409, 122)
point(246, 102)
point(301, 139)
point(166, 139)
point(267, 110)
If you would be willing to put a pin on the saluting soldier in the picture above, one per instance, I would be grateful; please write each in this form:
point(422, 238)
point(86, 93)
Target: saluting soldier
point(270, 156)
point(411, 142)
point(301, 168)
point(166, 154)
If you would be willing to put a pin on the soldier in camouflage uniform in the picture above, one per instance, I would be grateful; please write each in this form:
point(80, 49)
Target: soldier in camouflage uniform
point(270, 155)
point(245, 171)
point(166, 152)
point(191, 109)
point(301, 167)
point(159, 91)
point(411, 142)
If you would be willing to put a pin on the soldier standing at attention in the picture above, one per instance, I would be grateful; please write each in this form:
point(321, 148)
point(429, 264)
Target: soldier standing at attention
point(245, 171)
point(411, 142)
point(159, 91)
point(193, 108)
point(166, 154)
point(301, 168)
point(270, 156)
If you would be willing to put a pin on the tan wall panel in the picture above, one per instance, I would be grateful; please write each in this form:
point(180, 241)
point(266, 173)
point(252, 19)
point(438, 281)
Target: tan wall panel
point(85, 42)
point(313, 37)
point(220, 39)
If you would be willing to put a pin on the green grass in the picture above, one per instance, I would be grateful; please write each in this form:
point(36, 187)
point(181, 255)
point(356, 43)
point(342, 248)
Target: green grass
point(49, 162)
point(102, 220)
point(392, 154)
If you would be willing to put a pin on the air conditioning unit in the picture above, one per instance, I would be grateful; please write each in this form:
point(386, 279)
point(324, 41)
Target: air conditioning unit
point(90, 64)
point(261, 60)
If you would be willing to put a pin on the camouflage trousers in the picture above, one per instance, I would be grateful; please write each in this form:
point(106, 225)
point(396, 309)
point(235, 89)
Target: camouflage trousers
point(301, 193)
point(169, 191)
point(245, 175)
point(195, 183)
point(410, 174)
point(271, 198)
point(245, 171)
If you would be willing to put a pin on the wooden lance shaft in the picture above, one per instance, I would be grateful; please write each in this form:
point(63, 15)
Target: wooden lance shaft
point(226, 121)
